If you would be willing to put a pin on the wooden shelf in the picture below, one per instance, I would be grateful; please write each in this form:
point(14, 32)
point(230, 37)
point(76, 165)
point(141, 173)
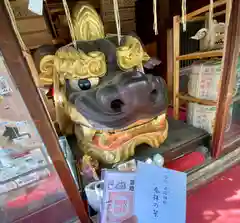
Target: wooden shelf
point(200, 55)
point(204, 9)
point(204, 17)
point(57, 10)
point(187, 97)
point(54, 42)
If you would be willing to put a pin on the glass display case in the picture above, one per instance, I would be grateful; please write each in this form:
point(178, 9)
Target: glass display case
point(37, 180)
point(206, 74)
point(28, 180)
point(232, 136)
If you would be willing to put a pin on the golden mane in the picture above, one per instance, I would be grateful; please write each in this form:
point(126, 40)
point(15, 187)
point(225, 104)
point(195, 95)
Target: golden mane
point(87, 24)
point(70, 63)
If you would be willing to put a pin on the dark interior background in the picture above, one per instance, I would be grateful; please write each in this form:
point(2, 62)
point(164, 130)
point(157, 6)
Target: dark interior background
point(166, 10)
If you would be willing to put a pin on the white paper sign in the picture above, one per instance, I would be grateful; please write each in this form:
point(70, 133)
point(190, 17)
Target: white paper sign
point(21, 181)
point(118, 196)
point(160, 195)
point(36, 6)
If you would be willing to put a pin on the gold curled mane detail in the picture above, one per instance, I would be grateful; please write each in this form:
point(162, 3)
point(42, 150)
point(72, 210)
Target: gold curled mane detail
point(73, 64)
point(131, 54)
point(87, 24)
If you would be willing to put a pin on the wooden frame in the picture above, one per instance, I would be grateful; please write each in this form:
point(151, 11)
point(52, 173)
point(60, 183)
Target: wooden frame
point(20, 71)
point(197, 55)
point(212, 168)
point(231, 52)
point(219, 163)
point(191, 16)
point(229, 57)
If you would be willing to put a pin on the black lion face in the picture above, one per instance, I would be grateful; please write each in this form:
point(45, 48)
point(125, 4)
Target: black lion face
point(102, 77)
point(100, 84)
point(119, 97)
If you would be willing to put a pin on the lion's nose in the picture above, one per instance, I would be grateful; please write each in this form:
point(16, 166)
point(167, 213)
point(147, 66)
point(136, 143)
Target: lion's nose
point(135, 91)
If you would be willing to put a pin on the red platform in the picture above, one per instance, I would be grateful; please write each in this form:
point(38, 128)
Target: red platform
point(218, 201)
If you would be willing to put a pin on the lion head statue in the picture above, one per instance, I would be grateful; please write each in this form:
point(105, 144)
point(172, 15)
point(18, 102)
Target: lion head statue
point(102, 93)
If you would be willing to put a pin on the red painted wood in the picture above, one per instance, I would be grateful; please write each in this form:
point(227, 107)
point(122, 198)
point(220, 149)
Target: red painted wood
point(187, 162)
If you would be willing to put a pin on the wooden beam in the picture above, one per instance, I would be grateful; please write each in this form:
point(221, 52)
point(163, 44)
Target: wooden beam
point(170, 63)
point(204, 9)
point(216, 14)
point(231, 52)
point(176, 65)
point(200, 55)
point(228, 11)
point(50, 19)
point(187, 97)
point(201, 18)
point(22, 76)
point(23, 46)
point(212, 169)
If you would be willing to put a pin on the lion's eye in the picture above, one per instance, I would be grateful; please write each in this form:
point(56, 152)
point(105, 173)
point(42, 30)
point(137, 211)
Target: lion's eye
point(84, 84)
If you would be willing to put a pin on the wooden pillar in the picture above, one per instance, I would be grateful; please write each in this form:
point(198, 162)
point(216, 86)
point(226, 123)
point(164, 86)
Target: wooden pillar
point(170, 64)
point(176, 65)
point(163, 15)
point(230, 57)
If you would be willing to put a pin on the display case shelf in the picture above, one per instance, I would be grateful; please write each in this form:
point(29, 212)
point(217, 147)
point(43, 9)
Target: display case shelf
point(31, 198)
